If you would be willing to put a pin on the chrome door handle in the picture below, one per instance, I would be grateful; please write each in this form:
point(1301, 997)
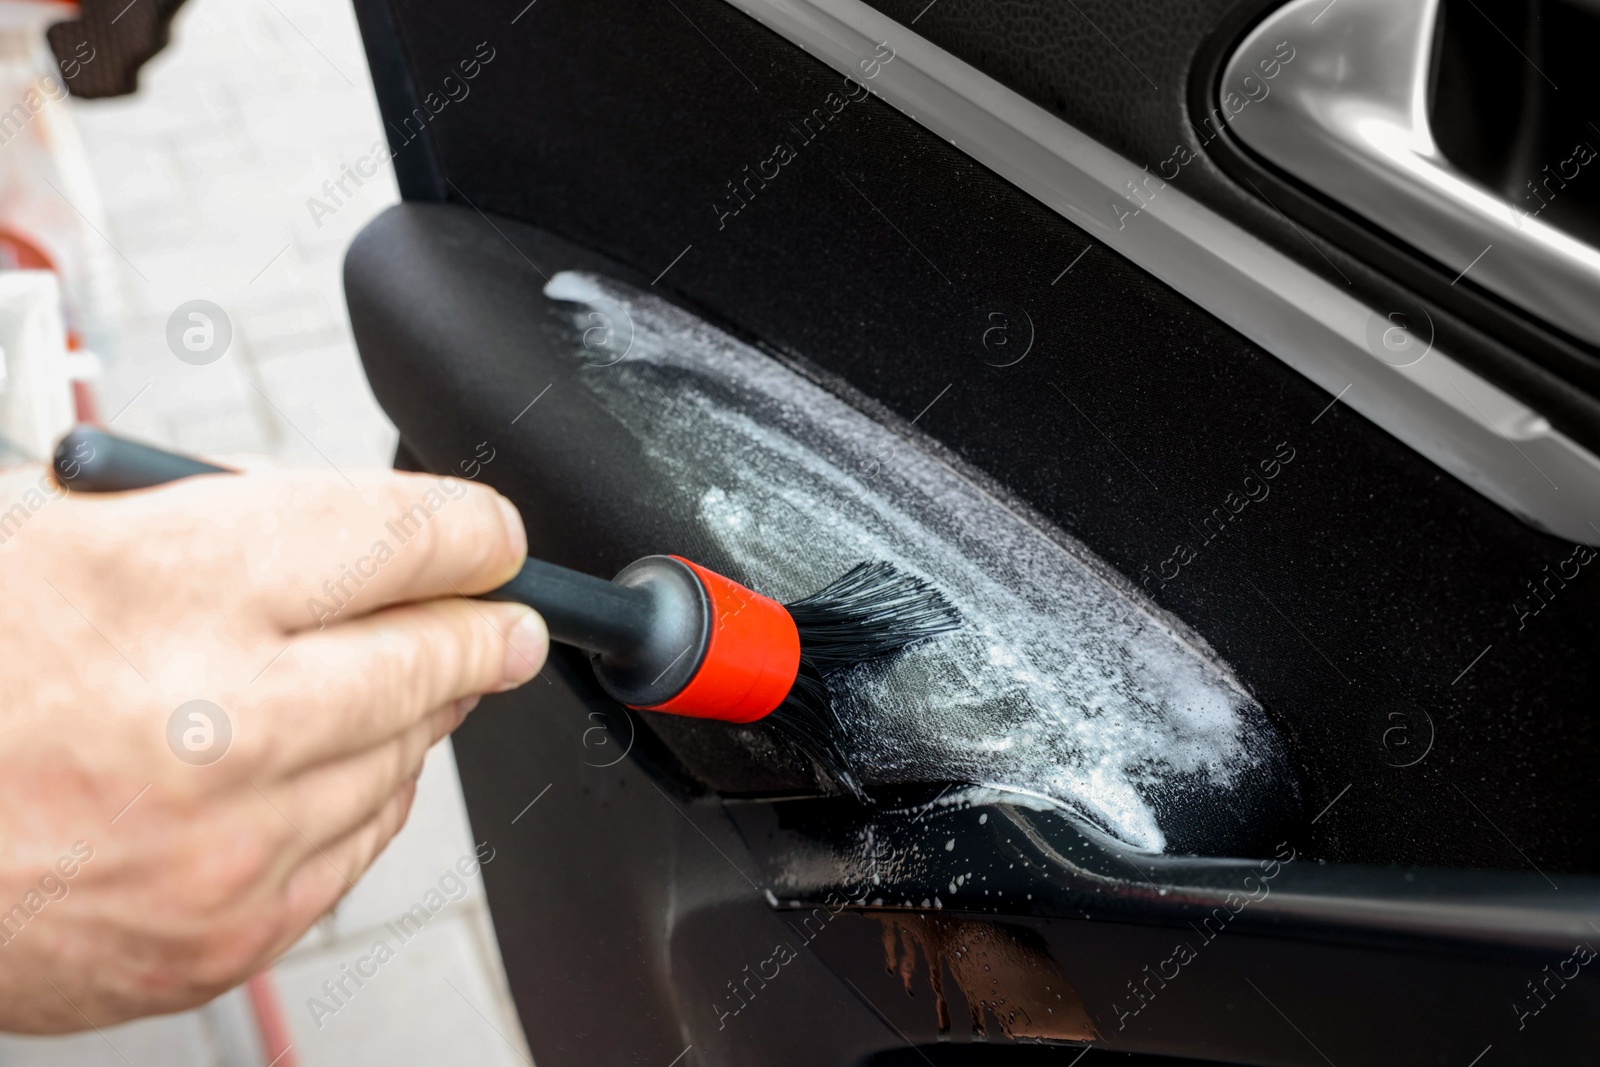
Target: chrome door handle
point(1349, 117)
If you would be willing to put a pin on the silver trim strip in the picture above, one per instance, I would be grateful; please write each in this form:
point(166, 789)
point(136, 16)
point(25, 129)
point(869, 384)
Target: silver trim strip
point(1350, 118)
point(1472, 429)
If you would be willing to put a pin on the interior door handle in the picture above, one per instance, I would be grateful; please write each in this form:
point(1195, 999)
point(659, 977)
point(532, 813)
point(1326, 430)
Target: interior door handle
point(1349, 116)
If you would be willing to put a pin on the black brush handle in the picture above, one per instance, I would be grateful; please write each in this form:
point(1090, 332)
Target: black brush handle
point(88, 460)
point(582, 610)
point(579, 609)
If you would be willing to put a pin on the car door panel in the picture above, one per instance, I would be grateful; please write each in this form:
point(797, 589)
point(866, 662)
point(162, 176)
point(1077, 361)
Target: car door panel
point(1412, 646)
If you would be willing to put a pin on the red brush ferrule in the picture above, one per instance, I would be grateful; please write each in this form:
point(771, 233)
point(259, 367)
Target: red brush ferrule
point(751, 659)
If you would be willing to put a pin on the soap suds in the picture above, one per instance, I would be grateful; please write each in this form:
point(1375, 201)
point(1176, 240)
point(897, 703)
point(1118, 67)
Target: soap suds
point(1062, 683)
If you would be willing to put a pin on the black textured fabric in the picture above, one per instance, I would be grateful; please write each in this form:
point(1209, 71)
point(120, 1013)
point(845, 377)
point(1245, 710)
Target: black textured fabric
point(1377, 608)
point(1117, 71)
point(1143, 79)
point(681, 428)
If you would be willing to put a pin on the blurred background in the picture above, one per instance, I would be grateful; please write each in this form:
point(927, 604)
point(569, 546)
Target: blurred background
point(222, 189)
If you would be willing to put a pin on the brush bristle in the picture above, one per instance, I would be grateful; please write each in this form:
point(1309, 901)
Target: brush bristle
point(873, 610)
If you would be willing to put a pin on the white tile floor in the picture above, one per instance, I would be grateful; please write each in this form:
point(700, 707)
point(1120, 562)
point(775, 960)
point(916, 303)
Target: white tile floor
point(205, 175)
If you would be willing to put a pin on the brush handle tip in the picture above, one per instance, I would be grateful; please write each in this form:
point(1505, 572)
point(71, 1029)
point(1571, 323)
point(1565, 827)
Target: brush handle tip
point(90, 460)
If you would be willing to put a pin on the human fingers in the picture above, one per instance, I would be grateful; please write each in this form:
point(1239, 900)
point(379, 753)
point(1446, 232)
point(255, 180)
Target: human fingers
point(328, 801)
point(311, 548)
point(364, 682)
point(249, 937)
point(324, 877)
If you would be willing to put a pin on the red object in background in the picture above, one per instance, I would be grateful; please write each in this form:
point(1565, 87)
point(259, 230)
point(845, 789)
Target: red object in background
point(20, 253)
point(84, 408)
point(267, 1009)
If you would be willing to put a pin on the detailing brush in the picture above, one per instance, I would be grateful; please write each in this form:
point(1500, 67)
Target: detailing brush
point(665, 634)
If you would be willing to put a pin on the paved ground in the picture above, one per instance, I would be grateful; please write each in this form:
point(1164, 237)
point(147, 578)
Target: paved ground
point(205, 176)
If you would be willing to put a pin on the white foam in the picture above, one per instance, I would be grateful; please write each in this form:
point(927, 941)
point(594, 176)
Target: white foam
point(1063, 684)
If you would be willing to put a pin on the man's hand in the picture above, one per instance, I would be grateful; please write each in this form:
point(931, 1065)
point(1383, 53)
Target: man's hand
point(155, 852)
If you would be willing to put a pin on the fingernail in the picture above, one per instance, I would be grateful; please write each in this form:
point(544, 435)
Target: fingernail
point(463, 707)
point(528, 643)
point(516, 536)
